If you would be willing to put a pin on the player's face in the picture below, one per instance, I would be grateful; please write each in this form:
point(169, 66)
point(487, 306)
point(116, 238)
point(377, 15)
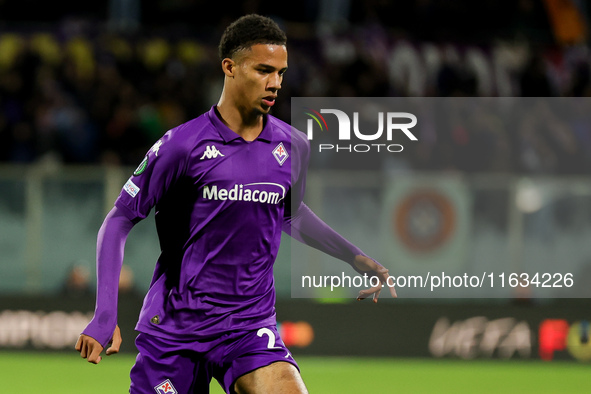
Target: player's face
point(259, 74)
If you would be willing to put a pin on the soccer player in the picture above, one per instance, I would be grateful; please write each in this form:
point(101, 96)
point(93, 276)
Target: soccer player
point(224, 185)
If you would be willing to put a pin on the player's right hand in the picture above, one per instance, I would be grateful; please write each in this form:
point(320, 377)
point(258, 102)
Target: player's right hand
point(91, 349)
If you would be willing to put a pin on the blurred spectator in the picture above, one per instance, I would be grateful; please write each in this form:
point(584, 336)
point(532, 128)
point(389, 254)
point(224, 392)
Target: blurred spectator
point(77, 283)
point(86, 94)
point(127, 284)
point(534, 81)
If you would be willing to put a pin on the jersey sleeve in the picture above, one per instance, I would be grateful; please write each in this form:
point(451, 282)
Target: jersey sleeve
point(299, 220)
point(109, 259)
point(161, 167)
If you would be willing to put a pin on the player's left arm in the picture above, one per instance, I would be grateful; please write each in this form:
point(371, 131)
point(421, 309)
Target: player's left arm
point(306, 227)
point(303, 224)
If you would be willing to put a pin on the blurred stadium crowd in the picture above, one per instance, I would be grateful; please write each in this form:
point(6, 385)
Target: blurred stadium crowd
point(95, 88)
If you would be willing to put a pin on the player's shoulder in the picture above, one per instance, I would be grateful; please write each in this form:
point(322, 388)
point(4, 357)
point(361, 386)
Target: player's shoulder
point(193, 129)
point(287, 132)
point(187, 135)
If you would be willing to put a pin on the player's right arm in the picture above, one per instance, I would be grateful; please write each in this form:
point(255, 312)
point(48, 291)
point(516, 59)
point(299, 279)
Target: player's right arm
point(164, 163)
point(103, 328)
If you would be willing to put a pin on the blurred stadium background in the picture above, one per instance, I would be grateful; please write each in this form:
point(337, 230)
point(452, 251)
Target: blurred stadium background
point(87, 88)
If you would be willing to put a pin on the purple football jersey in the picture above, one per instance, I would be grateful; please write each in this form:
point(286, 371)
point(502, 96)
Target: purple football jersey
point(219, 205)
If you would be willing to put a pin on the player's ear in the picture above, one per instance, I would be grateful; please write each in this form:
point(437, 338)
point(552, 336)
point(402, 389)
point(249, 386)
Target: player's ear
point(229, 67)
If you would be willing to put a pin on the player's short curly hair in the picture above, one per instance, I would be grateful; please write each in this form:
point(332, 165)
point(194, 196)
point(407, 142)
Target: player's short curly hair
point(250, 30)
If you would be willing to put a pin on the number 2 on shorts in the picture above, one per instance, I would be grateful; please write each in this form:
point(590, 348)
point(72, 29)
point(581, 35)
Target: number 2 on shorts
point(271, 334)
point(271, 343)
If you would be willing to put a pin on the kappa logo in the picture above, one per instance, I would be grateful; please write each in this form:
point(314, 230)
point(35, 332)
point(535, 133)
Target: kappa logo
point(165, 387)
point(211, 152)
point(280, 153)
point(156, 147)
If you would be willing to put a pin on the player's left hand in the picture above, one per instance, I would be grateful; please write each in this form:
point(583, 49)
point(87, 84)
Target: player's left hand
point(364, 263)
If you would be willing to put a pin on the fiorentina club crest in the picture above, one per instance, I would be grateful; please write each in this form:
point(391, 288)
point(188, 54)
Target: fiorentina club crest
point(165, 388)
point(280, 153)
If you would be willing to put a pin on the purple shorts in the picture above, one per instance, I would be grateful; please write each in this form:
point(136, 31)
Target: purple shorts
point(164, 366)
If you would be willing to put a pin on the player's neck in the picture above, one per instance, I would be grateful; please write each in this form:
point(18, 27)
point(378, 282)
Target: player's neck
point(247, 125)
